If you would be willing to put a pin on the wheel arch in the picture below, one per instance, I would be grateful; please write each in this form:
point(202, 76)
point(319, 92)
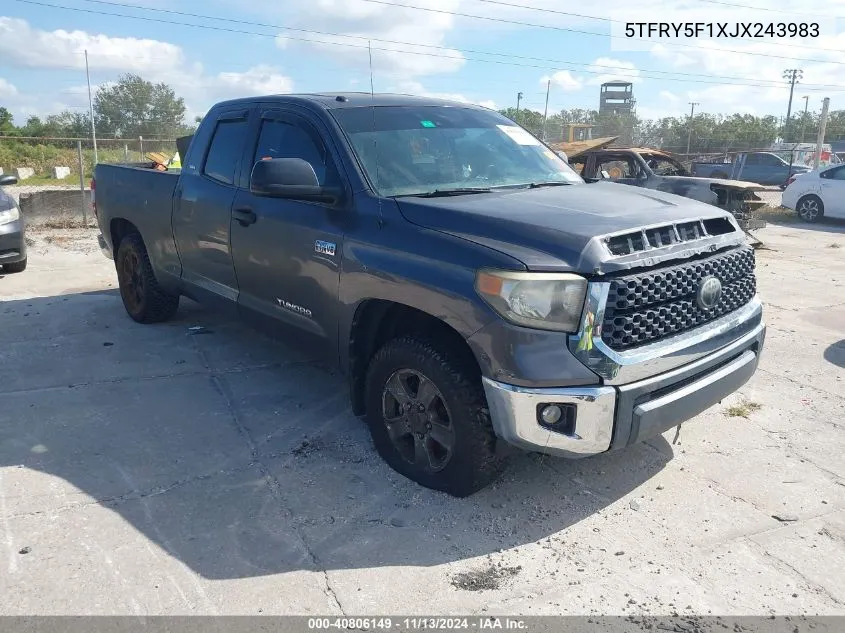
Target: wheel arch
point(120, 228)
point(377, 321)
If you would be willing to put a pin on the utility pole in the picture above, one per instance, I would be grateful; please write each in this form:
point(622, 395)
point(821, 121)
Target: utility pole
point(692, 105)
point(822, 127)
point(91, 108)
point(792, 75)
point(518, 99)
point(804, 119)
point(546, 111)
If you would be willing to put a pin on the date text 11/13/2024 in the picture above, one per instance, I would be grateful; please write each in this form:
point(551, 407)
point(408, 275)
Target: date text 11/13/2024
point(417, 623)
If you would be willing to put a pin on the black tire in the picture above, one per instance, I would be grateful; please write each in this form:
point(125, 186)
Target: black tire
point(810, 208)
point(144, 299)
point(15, 267)
point(472, 462)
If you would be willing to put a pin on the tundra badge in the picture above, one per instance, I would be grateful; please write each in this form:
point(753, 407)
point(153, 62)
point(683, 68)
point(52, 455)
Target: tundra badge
point(325, 248)
point(287, 305)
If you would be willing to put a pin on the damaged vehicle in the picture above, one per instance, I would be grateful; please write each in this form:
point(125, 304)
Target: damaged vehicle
point(658, 170)
point(476, 292)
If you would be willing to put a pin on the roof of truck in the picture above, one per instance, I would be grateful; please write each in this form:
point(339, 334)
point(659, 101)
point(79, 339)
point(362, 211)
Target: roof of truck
point(338, 100)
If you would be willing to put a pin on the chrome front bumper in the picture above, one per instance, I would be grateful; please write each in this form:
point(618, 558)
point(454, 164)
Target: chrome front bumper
point(673, 381)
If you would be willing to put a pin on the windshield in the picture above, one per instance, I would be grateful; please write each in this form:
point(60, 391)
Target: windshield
point(664, 166)
point(413, 150)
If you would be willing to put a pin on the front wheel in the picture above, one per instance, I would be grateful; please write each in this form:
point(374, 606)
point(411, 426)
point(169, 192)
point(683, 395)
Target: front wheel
point(144, 299)
point(15, 267)
point(428, 417)
point(810, 208)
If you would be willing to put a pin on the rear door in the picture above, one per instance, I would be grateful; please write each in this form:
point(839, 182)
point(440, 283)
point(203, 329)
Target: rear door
point(203, 207)
point(287, 254)
point(833, 192)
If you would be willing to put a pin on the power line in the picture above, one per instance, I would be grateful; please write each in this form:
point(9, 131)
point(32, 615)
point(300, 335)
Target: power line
point(695, 77)
point(569, 30)
point(769, 9)
point(430, 46)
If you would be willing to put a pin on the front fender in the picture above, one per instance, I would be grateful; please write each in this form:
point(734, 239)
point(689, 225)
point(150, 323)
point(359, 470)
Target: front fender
point(427, 270)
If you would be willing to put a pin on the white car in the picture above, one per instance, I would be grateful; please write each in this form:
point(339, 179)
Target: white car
point(817, 193)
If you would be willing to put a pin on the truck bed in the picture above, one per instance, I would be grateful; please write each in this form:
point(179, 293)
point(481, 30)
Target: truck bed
point(140, 195)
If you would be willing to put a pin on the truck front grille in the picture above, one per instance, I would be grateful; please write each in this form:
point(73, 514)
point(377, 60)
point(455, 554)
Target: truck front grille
point(648, 306)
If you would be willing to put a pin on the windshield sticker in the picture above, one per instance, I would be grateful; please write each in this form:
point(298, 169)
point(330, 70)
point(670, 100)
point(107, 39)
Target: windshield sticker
point(518, 134)
point(427, 124)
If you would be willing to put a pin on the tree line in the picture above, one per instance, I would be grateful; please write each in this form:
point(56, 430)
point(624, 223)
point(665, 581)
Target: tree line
point(707, 133)
point(133, 107)
point(129, 108)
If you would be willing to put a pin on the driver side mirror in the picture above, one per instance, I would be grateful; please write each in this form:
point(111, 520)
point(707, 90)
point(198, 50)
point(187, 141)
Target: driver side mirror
point(292, 179)
point(8, 180)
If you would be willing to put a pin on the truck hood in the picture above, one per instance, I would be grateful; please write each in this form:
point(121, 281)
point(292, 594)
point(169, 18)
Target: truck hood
point(565, 227)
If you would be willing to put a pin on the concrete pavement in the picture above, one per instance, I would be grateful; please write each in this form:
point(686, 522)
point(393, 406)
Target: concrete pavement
point(168, 470)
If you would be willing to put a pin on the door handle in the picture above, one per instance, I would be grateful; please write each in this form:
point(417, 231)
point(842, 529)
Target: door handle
point(244, 216)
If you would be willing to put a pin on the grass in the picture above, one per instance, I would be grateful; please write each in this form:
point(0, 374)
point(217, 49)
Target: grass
point(38, 181)
point(743, 409)
point(43, 157)
point(778, 214)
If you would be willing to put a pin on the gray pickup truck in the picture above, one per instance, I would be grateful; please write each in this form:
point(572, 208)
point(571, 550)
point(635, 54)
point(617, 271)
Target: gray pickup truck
point(477, 292)
point(765, 168)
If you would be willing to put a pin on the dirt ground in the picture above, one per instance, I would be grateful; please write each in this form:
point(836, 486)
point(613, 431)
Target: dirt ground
point(170, 470)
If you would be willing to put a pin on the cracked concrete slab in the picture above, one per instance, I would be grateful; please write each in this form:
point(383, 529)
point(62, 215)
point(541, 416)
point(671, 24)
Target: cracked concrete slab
point(223, 473)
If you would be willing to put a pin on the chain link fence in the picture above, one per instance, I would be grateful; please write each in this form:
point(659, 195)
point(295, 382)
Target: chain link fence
point(54, 174)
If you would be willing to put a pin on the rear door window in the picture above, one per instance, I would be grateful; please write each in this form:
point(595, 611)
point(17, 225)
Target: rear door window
point(225, 150)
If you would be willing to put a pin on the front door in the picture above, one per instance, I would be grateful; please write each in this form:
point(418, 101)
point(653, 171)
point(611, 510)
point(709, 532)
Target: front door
point(287, 253)
point(203, 206)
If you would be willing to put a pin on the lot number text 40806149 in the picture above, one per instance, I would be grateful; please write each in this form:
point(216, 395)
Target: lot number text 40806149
point(416, 623)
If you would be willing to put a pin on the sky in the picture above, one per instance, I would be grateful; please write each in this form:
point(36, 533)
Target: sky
point(479, 51)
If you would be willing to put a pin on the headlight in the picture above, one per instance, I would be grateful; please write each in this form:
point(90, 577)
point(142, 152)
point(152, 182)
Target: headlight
point(546, 301)
point(9, 215)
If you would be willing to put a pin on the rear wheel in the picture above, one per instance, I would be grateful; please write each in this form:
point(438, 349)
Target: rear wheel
point(810, 208)
point(15, 267)
point(428, 417)
point(144, 299)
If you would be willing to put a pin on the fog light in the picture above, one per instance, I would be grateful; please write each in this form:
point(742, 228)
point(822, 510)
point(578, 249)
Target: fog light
point(551, 414)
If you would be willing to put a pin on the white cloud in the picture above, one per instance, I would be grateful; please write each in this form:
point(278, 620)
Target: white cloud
point(22, 45)
point(565, 80)
point(155, 60)
point(669, 97)
point(259, 80)
point(7, 89)
point(417, 89)
point(414, 32)
point(608, 69)
point(767, 92)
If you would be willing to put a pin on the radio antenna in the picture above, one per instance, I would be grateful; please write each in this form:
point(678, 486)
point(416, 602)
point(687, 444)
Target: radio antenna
point(375, 142)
